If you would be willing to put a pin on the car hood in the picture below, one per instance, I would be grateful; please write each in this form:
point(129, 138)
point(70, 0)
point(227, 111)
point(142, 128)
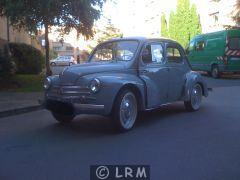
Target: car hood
point(72, 73)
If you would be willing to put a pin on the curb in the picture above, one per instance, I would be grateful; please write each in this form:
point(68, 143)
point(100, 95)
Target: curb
point(13, 112)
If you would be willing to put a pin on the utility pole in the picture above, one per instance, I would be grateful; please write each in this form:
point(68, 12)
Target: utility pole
point(8, 39)
point(8, 36)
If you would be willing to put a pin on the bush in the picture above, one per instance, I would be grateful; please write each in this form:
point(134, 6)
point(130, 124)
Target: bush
point(28, 59)
point(7, 65)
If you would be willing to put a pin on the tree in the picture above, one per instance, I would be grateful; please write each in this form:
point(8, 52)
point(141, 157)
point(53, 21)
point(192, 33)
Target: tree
point(182, 19)
point(236, 13)
point(185, 23)
point(172, 26)
point(65, 14)
point(195, 25)
point(164, 26)
point(109, 32)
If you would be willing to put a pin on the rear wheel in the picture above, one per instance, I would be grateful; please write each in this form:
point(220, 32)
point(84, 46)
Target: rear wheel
point(125, 111)
point(215, 71)
point(195, 98)
point(62, 118)
point(53, 64)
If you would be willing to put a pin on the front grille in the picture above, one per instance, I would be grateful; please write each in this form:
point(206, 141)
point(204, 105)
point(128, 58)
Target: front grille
point(57, 91)
point(75, 90)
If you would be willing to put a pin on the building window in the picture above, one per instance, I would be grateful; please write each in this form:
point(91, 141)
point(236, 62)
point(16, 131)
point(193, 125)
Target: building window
point(69, 48)
point(56, 48)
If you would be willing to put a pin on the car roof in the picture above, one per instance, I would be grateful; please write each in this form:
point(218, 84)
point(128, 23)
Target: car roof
point(143, 39)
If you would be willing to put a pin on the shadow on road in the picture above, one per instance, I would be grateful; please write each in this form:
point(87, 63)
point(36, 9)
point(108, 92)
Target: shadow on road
point(92, 126)
point(149, 118)
point(224, 76)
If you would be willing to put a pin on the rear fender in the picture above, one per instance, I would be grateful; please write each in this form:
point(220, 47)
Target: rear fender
point(193, 78)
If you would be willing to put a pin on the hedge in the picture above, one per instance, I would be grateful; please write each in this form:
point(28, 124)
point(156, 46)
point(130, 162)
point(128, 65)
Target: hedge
point(7, 65)
point(28, 59)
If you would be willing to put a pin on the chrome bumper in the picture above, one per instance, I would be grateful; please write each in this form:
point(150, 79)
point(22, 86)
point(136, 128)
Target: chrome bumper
point(88, 109)
point(77, 98)
point(58, 105)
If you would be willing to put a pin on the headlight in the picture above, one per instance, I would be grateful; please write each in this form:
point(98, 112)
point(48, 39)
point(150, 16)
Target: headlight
point(95, 85)
point(47, 83)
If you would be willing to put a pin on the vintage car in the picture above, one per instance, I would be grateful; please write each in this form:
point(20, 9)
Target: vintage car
point(123, 77)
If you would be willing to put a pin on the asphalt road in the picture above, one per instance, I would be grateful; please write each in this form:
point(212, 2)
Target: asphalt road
point(203, 145)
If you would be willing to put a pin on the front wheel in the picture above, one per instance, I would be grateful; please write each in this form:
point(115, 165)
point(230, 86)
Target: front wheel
point(215, 71)
point(195, 98)
point(62, 118)
point(125, 111)
point(53, 64)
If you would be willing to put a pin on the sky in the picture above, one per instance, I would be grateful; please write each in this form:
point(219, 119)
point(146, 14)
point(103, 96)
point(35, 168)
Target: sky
point(137, 17)
point(130, 15)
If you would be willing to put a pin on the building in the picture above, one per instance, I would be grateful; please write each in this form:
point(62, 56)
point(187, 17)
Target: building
point(15, 35)
point(219, 15)
point(62, 48)
point(153, 18)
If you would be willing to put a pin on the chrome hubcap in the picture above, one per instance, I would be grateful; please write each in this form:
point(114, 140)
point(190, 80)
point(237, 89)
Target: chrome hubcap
point(215, 72)
point(128, 110)
point(196, 97)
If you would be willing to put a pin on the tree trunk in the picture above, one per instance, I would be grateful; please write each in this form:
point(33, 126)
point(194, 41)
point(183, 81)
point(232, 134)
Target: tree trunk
point(48, 70)
point(7, 53)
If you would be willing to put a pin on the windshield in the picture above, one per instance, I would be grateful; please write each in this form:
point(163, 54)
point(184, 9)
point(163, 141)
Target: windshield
point(115, 51)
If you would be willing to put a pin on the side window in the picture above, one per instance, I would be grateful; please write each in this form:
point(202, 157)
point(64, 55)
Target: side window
point(174, 55)
point(153, 54)
point(200, 46)
point(234, 43)
point(60, 58)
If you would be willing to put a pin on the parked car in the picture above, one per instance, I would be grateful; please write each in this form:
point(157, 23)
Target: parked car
point(123, 77)
point(63, 61)
point(216, 52)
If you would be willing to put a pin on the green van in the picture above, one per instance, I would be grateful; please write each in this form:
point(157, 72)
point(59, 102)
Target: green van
point(215, 52)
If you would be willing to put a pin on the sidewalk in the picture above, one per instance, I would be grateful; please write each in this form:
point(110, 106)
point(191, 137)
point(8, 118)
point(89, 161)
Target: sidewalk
point(12, 103)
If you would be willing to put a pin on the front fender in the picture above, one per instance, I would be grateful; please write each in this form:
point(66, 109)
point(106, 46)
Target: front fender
point(111, 84)
point(191, 79)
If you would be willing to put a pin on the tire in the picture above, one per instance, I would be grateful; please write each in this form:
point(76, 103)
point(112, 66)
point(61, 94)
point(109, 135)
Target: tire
point(125, 111)
point(53, 64)
point(64, 119)
point(70, 64)
point(195, 99)
point(215, 72)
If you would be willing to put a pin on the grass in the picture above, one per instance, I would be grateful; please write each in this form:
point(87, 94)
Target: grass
point(22, 83)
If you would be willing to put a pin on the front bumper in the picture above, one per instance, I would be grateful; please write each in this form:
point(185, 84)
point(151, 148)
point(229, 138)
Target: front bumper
point(67, 107)
point(72, 99)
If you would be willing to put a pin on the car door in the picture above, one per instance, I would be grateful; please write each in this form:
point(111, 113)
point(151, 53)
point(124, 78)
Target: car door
point(67, 60)
point(191, 52)
point(61, 61)
point(200, 55)
point(177, 71)
point(154, 73)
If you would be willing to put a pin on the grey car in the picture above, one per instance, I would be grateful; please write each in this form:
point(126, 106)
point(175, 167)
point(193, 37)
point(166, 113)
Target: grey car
point(123, 77)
